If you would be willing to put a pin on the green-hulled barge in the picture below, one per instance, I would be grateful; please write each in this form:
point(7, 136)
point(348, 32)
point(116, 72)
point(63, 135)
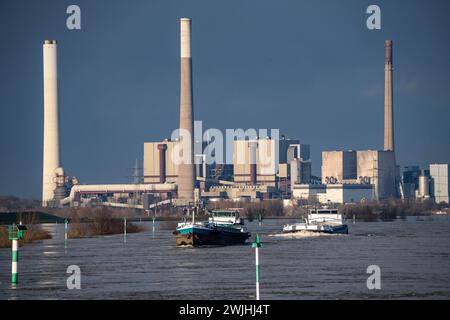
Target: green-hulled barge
point(224, 227)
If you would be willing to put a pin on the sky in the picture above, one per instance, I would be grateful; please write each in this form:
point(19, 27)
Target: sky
point(310, 68)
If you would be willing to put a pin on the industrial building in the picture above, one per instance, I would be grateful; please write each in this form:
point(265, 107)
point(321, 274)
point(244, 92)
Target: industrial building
point(410, 181)
point(439, 182)
point(256, 161)
point(158, 165)
point(423, 191)
point(296, 151)
point(237, 192)
point(263, 168)
point(333, 193)
point(162, 178)
point(300, 171)
point(415, 183)
point(267, 161)
point(379, 169)
point(357, 169)
point(361, 167)
point(338, 166)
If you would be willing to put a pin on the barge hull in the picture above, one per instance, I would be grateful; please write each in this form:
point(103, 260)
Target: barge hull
point(212, 238)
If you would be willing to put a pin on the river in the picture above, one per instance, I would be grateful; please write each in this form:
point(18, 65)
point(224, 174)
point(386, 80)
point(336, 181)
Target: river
point(413, 255)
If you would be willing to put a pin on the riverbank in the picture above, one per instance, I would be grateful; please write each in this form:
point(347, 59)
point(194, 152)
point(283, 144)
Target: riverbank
point(102, 222)
point(34, 233)
point(369, 211)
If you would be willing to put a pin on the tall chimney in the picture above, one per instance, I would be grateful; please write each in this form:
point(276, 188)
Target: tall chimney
point(253, 166)
point(388, 102)
point(51, 129)
point(162, 162)
point(186, 169)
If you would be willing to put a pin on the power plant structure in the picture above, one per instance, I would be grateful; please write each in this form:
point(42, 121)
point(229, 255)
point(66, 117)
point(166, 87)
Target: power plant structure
point(426, 184)
point(360, 175)
point(51, 126)
point(440, 181)
point(262, 168)
point(186, 168)
point(174, 182)
point(388, 99)
point(268, 161)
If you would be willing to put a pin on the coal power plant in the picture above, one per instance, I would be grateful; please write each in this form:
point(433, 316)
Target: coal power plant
point(234, 150)
point(60, 190)
point(349, 175)
point(188, 179)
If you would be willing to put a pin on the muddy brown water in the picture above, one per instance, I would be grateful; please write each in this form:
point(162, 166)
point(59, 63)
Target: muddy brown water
point(413, 255)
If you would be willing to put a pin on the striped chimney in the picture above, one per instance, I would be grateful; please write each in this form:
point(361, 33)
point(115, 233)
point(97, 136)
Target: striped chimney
point(186, 169)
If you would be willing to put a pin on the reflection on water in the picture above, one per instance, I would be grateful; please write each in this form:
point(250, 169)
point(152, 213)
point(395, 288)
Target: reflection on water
point(414, 257)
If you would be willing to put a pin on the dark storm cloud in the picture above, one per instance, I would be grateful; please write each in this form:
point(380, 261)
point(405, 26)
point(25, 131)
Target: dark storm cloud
point(310, 68)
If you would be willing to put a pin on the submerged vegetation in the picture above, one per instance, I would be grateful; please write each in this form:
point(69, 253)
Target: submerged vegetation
point(35, 232)
point(101, 221)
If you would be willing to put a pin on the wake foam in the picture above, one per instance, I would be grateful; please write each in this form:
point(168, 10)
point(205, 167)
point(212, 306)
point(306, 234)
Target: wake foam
point(301, 234)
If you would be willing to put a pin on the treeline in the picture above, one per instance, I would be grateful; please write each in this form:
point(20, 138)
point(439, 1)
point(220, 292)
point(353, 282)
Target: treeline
point(388, 210)
point(252, 210)
point(365, 211)
point(12, 203)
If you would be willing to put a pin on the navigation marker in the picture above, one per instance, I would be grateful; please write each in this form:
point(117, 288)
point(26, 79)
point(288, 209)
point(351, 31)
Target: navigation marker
point(257, 244)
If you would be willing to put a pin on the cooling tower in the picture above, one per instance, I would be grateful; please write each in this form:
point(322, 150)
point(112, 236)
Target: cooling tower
point(388, 105)
point(51, 130)
point(186, 168)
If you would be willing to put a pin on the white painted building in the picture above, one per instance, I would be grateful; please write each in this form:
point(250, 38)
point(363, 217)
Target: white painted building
point(349, 193)
point(335, 193)
point(309, 192)
point(360, 167)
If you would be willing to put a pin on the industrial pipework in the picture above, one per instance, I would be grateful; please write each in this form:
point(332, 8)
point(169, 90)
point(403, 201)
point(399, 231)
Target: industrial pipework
point(118, 188)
